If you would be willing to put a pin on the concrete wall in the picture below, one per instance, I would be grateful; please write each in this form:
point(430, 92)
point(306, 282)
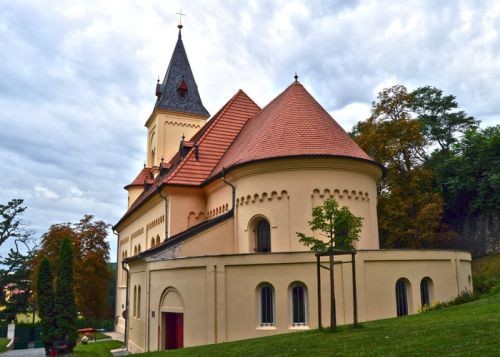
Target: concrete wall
point(220, 302)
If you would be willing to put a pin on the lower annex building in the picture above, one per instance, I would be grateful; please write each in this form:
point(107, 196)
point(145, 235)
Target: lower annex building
point(208, 250)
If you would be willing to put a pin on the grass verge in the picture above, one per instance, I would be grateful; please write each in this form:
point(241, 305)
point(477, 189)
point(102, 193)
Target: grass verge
point(4, 341)
point(98, 349)
point(468, 329)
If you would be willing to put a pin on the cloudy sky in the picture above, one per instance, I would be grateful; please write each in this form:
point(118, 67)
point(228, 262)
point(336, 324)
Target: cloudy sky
point(77, 77)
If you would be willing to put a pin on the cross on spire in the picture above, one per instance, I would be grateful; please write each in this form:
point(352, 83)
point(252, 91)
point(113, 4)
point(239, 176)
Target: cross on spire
point(180, 18)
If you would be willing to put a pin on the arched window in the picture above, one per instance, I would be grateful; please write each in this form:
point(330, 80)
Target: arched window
point(157, 239)
point(426, 291)
point(135, 250)
point(139, 302)
point(152, 242)
point(263, 236)
point(266, 297)
point(402, 286)
point(298, 303)
point(139, 248)
point(134, 311)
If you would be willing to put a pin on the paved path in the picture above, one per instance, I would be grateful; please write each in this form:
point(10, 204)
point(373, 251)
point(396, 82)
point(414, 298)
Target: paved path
point(39, 352)
point(31, 352)
point(115, 335)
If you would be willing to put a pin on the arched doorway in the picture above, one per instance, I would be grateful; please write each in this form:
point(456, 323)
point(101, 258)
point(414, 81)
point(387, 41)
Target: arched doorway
point(171, 329)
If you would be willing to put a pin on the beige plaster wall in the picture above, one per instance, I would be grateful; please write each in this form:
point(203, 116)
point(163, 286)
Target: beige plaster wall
point(182, 204)
point(215, 240)
point(285, 191)
point(149, 220)
point(220, 299)
point(133, 194)
point(165, 130)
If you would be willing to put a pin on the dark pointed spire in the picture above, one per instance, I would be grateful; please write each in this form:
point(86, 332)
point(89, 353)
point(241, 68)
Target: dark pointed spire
point(178, 91)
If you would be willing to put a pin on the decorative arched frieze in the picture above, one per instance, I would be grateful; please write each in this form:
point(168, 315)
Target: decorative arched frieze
point(341, 194)
point(158, 220)
point(186, 125)
point(264, 196)
point(217, 211)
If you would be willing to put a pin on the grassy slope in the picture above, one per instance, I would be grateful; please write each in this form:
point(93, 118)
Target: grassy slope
point(487, 267)
point(98, 349)
point(469, 329)
point(4, 341)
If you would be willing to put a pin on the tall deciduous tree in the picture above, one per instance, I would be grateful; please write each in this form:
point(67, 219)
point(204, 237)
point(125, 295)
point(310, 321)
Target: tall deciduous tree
point(471, 175)
point(45, 295)
point(440, 117)
point(15, 269)
point(409, 209)
point(11, 224)
point(64, 301)
point(93, 273)
point(91, 255)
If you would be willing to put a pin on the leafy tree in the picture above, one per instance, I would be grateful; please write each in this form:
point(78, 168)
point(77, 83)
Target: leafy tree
point(339, 228)
point(64, 301)
point(409, 208)
point(91, 255)
point(16, 281)
point(93, 274)
point(471, 175)
point(11, 225)
point(15, 269)
point(45, 296)
point(439, 116)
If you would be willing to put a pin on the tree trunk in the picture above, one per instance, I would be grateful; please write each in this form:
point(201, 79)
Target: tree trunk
point(333, 313)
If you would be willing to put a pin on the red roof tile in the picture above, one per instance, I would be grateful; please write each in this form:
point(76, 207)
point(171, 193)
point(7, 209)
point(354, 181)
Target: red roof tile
point(213, 141)
point(293, 124)
point(143, 176)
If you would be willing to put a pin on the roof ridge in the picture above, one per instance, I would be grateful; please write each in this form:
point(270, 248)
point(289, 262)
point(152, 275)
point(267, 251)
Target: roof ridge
point(273, 102)
point(211, 124)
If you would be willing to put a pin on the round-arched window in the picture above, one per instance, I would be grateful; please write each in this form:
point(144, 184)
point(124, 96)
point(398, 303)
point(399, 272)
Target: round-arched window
point(263, 236)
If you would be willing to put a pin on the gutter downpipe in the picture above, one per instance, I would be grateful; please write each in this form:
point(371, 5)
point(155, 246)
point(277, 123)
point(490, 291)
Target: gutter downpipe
point(230, 184)
point(126, 305)
point(166, 210)
point(233, 208)
point(117, 258)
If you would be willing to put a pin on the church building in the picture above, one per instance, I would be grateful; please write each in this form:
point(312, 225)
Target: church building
point(207, 249)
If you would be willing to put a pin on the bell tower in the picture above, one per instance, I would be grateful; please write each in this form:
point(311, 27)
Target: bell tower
point(178, 110)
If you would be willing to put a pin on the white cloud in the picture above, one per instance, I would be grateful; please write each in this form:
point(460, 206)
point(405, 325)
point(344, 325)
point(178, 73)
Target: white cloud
point(78, 77)
point(44, 192)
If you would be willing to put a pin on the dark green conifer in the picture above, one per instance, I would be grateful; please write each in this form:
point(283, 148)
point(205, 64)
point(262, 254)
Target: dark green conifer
point(64, 307)
point(45, 299)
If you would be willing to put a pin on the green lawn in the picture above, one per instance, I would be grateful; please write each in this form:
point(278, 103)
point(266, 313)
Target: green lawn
point(98, 349)
point(27, 317)
point(3, 344)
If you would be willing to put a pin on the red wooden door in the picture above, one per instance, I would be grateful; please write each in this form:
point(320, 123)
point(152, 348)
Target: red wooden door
point(174, 330)
point(179, 330)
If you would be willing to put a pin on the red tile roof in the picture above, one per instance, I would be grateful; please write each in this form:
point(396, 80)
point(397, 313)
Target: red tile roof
point(212, 139)
point(143, 176)
point(293, 124)
point(213, 142)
